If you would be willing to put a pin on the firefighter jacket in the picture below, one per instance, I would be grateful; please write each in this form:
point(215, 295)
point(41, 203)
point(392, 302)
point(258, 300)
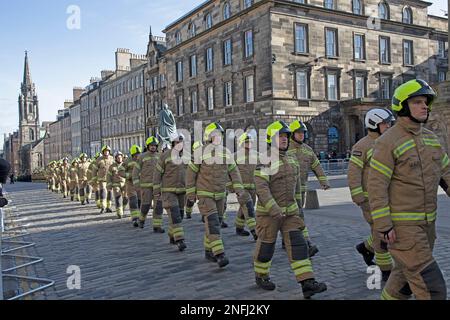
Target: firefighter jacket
point(144, 169)
point(278, 187)
point(115, 177)
point(170, 173)
point(247, 163)
point(358, 169)
point(406, 168)
point(83, 168)
point(90, 173)
point(308, 161)
point(101, 167)
point(129, 165)
point(209, 178)
point(73, 173)
point(64, 172)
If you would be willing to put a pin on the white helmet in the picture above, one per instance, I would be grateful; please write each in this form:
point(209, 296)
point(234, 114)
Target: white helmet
point(178, 137)
point(377, 116)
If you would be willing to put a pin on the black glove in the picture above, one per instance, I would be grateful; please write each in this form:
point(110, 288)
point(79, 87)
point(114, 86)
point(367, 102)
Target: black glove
point(3, 202)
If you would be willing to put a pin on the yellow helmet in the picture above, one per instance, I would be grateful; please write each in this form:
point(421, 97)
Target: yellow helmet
point(106, 148)
point(211, 128)
point(135, 150)
point(245, 137)
point(278, 127)
point(152, 141)
point(97, 155)
point(83, 155)
point(410, 89)
point(196, 145)
point(298, 125)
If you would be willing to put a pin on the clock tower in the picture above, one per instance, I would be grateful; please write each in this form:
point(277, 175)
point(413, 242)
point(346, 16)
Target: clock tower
point(28, 109)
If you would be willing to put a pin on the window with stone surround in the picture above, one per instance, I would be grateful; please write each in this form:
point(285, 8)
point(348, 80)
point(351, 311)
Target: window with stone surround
point(407, 15)
point(332, 87)
point(301, 38)
point(299, 1)
point(329, 4)
point(210, 97)
point(383, 11)
point(178, 37)
point(194, 101)
point(360, 85)
point(442, 49)
point(193, 66)
point(180, 104)
point(249, 87)
point(357, 7)
point(228, 93)
point(226, 11)
point(208, 21)
point(385, 87)
point(248, 44)
point(209, 59)
point(442, 75)
point(179, 71)
point(192, 30)
point(385, 50)
point(248, 3)
point(331, 40)
point(359, 46)
point(227, 52)
point(302, 84)
point(408, 53)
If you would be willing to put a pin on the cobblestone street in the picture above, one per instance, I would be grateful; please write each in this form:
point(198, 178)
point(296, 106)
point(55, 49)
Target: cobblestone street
point(120, 262)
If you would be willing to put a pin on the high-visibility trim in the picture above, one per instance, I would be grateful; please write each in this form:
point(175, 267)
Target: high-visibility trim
point(431, 217)
point(194, 167)
point(432, 142)
point(156, 186)
point(146, 185)
point(315, 164)
point(148, 158)
point(240, 223)
point(323, 178)
point(231, 167)
point(217, 196)
point(259, 174)
point(400, 150)
point(262, 268)
point(306, 233)
point(383, 259)
point(135, 213)
point(217, 246)
point(251, 223)
point(269, 205)
point(159, 168)
point(157, 222)
point(381, 213)
point(369, 241)
point(386, 296)
point(249, 186)
point(298, 196)
point(381, 168)
point(238, 186)
point(191, 190)
point(445, 161)
point(136, 182)
point(357, 161)
point(303, 188)
point(369, 153)
point(289, 210)
point(301, 267)
point(408, 216)
point(174, 190)
point(357, 191)
point(206, 243)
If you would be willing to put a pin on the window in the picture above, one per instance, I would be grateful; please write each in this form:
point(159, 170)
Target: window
point(209, 65)
point(193, 66)
point(248, 44)
point(385, 87)
point(357, 7)
point(192, 31)
point(179, 66)
point(226, 11)
point(208, 21)
point(385, 50)
point(249, 89)
point(302, 79)
point(383, 11)
point(228, 94)
point(210, 97)
point(301, 38)
point(331, 42)
point(178, 37)
point(329, 4)
point(359, 47)
point(180, 105)
point(332, 86)
point(442, 53)
point(442, 76)
point(248, 3)
point(227, 52)
point(194, 102)
point(408, 58)
point(407, 15)
point(360, 86)
point(299, 1)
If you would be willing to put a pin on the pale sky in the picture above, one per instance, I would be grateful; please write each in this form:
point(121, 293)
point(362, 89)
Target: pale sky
point(61, 58)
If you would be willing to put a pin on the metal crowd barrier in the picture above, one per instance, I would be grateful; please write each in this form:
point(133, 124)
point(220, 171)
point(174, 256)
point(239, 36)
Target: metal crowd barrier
point(14, 233)
point(335, 167)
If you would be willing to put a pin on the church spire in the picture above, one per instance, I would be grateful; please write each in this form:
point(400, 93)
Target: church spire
point(26, 73)
point(151, 34)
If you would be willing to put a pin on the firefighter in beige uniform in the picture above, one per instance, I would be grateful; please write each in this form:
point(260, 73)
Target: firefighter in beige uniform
point(116, 183)
point(65, 177)
point(407, 167)
point(73, 184)
point(377, 122)
point(206, 179)
point(143, 179)
point(100, 171)
point(83, 185)
point(169, 184)
point(131, 190)
point(279, 201)
point(92, 179)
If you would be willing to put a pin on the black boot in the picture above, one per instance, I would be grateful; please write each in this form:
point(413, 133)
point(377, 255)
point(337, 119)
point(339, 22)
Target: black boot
point(203, 219)
point(141, 224)
point(241, 232)
point(135, 223)
point(265, 283)
point(222, 260)
point(108, 210)
point(181, 245)
point(311, 287)
point(223, 225)
point(82, 203)
point(255, 236)
point(210, 257)
point(367, 255)
point(71, 198)
point(172, 240)
point(385, 275)
point(102, 211)
point(158, 230)
point(182, 214)
point(312, 249)
point(87, 201)
point(283, 245)
point(188, 216)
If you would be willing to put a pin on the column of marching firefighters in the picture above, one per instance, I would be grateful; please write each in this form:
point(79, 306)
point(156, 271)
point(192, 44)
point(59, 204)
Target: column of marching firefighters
point(394, 175)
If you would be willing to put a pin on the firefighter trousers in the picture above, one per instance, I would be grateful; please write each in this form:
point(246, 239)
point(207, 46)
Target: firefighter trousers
point(244, 216)
point(149, 201)
point(119, 199)
point(105, 195)
point(174, 205)
point(85, 191)
point(133, 199)
point(267, 229)
point(211, 210)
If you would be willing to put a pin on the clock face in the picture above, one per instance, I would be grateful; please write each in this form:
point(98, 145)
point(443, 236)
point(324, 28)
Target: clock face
point(30, 117)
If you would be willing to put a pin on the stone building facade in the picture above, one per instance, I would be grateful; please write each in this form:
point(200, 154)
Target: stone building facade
point(11, 151)
point(123, 101)
point(95, 126)
point(246, 63)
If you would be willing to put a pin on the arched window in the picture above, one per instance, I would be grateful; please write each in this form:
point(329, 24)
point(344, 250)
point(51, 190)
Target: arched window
point(407, 15)
point(30, 108)
point(383, 11)
point(329, 4)
point(226, 11)
point(178, 37)
point(192, 30)
point(248, 3)
point(333, 139)
point(208, 21)
point(357, 7)
point(31, 133)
